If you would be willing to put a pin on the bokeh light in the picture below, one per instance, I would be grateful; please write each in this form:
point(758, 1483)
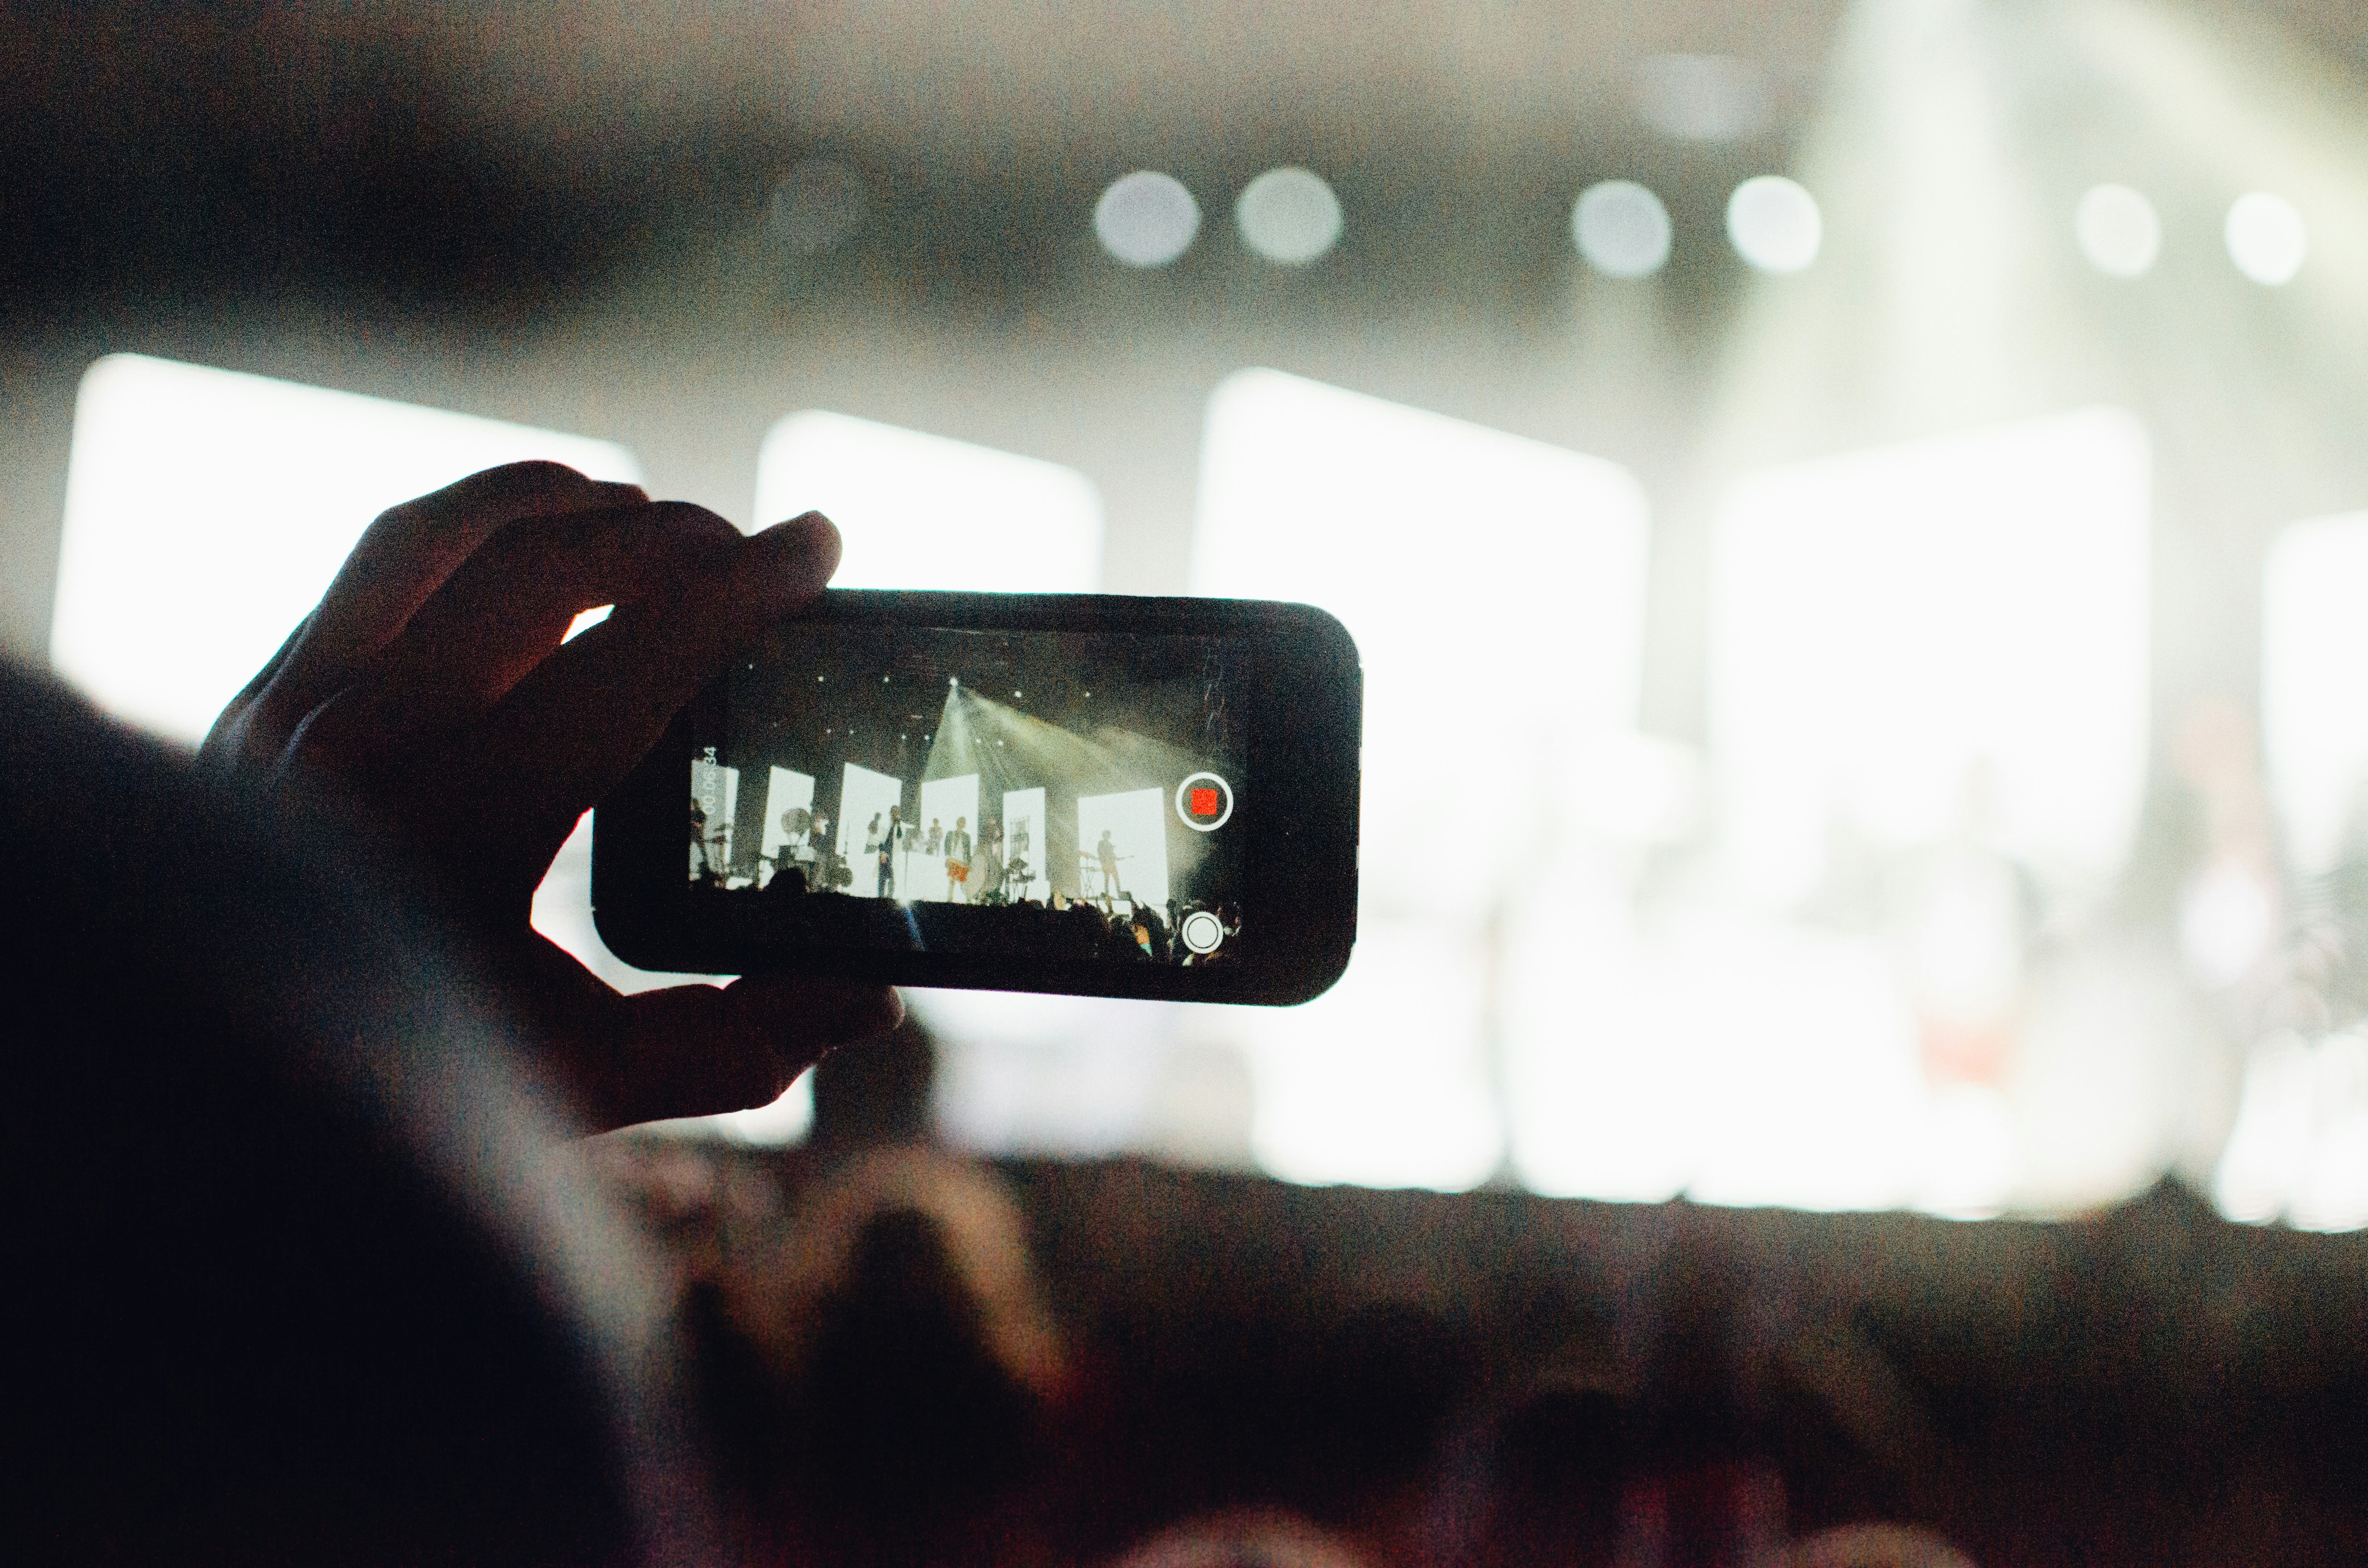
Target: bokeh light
point(1621, 229)
point(2118, 230)
point(1289, 216)
point(1774, 224)
point(2267, 238)
point(1147, 219)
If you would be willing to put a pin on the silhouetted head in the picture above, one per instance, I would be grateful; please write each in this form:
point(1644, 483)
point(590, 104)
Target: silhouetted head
point(311, 1277)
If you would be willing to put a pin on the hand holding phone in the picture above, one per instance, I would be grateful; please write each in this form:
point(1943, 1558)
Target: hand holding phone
point(430, 686)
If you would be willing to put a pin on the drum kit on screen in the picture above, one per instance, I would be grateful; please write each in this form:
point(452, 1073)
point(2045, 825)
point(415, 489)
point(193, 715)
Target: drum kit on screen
point(808, 846)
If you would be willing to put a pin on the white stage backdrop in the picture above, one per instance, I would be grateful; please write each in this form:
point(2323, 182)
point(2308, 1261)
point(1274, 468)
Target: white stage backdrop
point(945, 802)
point(788, 791)
point(1023, 810)
point(865, 794)
point(1137, 823)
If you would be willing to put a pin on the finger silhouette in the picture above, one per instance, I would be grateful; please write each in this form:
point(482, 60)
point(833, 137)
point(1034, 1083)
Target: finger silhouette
point(505, 611)
point(401, 559)
point(592, 709)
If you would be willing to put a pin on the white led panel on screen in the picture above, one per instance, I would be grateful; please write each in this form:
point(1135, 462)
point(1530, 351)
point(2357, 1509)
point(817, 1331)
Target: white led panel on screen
point(207, 510)
point(1496, 588)
point(2314, 723)
point(1904, 636)
point(921, 511)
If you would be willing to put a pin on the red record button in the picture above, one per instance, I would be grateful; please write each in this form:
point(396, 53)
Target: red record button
point(1203, 803)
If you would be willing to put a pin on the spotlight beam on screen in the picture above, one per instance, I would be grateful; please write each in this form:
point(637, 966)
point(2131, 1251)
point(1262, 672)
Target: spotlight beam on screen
point(1012, 752)
point(207, 510)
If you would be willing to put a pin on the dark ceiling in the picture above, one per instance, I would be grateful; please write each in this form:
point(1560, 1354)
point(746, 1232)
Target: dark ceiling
point(491, 154)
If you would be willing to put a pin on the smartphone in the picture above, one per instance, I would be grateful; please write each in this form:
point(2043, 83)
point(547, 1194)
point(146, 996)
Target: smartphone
point(1095, 795)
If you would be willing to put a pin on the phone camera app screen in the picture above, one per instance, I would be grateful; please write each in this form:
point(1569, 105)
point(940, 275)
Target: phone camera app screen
point(1057, 795)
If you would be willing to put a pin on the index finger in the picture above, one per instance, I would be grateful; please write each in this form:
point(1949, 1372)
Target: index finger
point(411, 549)
point(401, 559)
point(590, 712)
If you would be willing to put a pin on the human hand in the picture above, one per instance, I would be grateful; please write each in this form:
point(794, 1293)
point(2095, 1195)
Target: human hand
point(430, 686)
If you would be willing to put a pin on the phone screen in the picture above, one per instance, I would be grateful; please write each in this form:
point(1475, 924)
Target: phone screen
point(1046, 794)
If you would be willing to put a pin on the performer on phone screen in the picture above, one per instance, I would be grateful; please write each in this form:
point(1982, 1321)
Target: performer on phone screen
point(1107, 853)
point(797, 843)
point(829, 863)
point(958, 861)
point(1016, 870)
point(887, 850)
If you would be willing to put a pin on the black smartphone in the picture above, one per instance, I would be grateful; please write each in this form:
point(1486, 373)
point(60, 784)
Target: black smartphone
point(1095, 795)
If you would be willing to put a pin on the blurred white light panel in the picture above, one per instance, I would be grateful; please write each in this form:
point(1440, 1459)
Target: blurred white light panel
point(206, 511)
point(2314, 723)
point(2299, 1150)
point(1382, 1081)
point(1895, 631)
point(1075, 1076)
point(921, 511)
point(1937, 644)
point(1496, 588)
